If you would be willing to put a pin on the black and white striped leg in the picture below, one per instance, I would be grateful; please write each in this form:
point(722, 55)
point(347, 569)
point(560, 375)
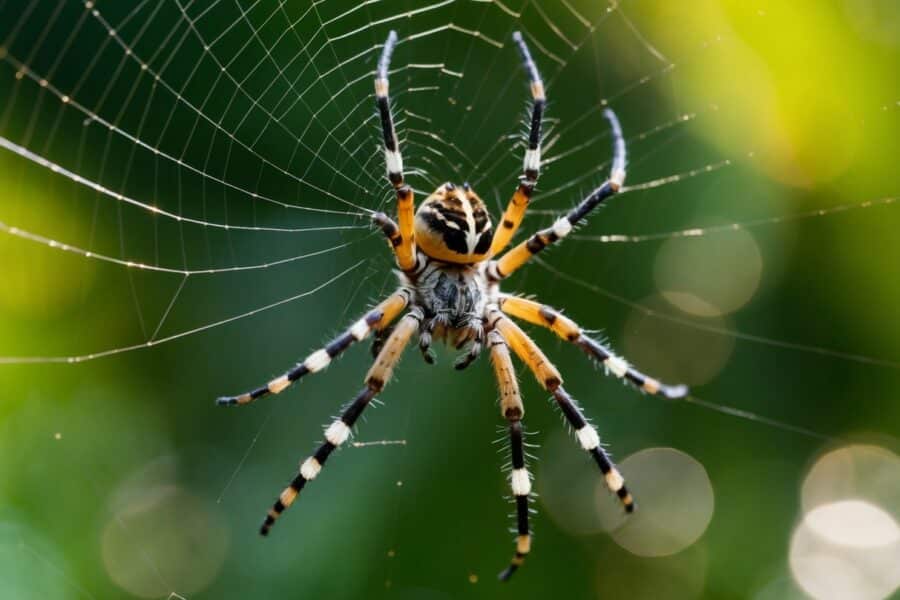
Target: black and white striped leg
point(521, 254)
point(392, 157)
point(531, 166)
point(616, 173)
point(531, 163)
point(339, 431)
point(512, 409)
point(381, 335)
point(376, 318)
point(619, 367)
point(520, 481)
point(335, 435)
point(590, 441)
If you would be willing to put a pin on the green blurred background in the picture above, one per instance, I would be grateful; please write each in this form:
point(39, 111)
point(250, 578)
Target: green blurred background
point(120, 478)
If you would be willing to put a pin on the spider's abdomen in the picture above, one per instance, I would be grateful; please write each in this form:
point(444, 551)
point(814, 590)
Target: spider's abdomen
point(452, 225)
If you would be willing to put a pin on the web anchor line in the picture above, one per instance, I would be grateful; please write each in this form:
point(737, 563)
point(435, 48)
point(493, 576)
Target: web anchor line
point(859, 358)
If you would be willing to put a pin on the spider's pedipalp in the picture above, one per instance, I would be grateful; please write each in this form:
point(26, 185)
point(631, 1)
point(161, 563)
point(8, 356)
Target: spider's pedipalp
point(377, 318)
point(567, 329)
point(339, 431)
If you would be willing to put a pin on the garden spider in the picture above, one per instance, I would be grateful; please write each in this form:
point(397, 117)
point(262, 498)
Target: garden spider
point(450, 288)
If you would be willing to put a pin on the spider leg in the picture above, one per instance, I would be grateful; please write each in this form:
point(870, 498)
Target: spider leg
point(548, 377)
point(381, 335)
point(519, 255)
point(515, 210)
point(400, 234)
point(545, 316)
point(377, 318)
point(513, 410)
point(338, 432)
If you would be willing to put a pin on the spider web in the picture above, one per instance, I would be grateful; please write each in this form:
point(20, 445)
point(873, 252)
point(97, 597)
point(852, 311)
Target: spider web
point(187, 193)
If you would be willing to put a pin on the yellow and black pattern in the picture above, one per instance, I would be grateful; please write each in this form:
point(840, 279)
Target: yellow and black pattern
point(563, 226)
point(531, 163)
point(512, 217)
point(548, 376)
point(451, 291)
point(528, 352)
point(401, 234)
point(567, 329)
point(453, 225)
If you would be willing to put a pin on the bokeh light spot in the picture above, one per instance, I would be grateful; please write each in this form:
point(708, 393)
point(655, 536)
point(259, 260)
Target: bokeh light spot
point(827, 570)
point(162, 528)
point(848, 543)
point(675, 352)
point(565, 482)
point(854, 523)
point(709, 276)
point(675, 503)
point(856, 472)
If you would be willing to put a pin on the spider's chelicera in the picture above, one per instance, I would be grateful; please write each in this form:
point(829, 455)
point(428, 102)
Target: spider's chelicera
point(450, 273)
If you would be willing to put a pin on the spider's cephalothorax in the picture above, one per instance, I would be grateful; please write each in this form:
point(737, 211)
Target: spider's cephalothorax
point(450, 272)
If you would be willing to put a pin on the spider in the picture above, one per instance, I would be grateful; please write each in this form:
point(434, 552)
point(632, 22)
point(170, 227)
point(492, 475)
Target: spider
point(450, 290)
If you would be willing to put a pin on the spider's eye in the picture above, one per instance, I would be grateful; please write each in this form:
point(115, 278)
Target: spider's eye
point(453, 225)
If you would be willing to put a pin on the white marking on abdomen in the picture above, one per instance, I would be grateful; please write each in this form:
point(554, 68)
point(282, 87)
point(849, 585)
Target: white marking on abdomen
point(471, 235)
